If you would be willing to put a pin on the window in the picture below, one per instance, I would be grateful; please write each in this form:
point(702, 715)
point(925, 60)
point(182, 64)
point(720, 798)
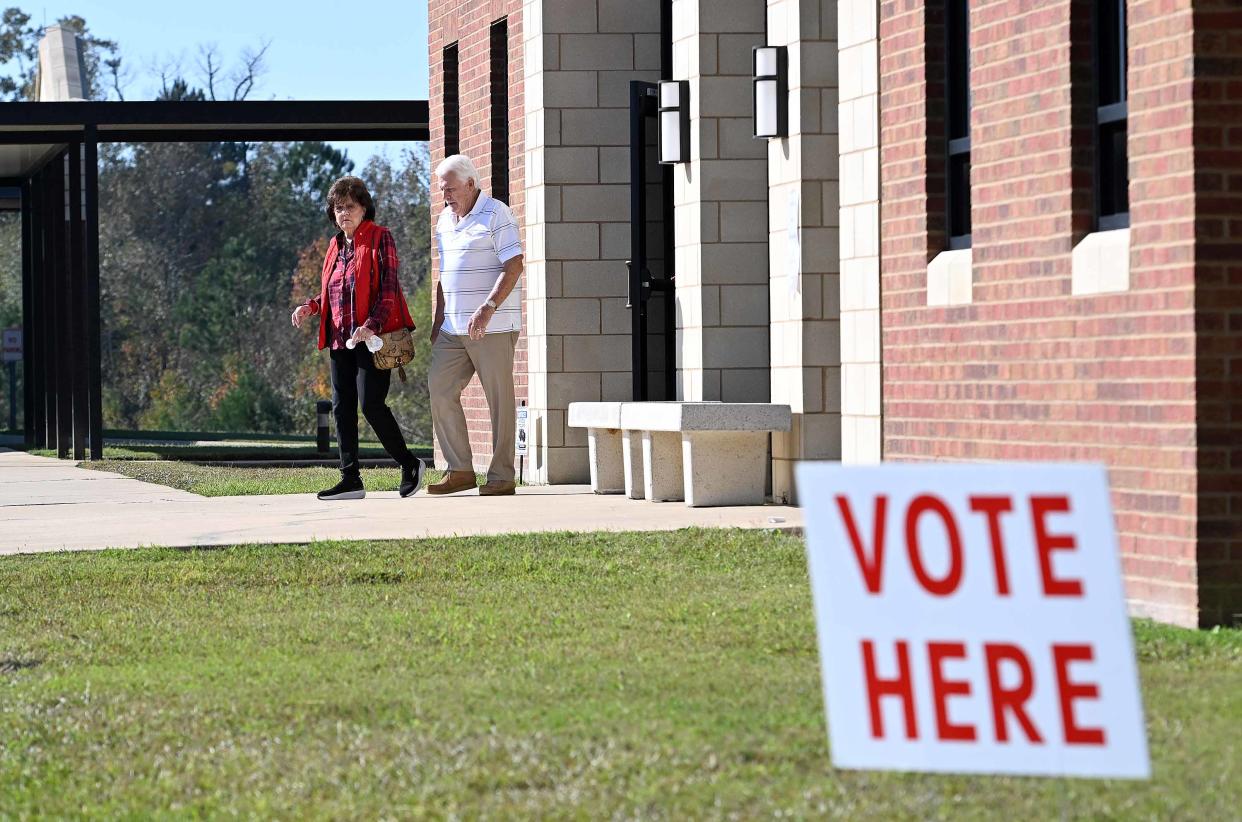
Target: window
point(500, 109)
point(957, 127)
point(1112, 174)
point(452, 103)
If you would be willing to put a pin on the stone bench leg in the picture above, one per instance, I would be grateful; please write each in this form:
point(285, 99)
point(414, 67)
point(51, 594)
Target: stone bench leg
point(724, 467)
point(632, 460)
point(662, 466)
point(604, 447)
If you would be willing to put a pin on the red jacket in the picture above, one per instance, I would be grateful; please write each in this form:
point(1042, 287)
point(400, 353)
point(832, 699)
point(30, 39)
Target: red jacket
point(366, 255)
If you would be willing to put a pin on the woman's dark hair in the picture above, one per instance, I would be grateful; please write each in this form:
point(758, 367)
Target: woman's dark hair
point(350, 189)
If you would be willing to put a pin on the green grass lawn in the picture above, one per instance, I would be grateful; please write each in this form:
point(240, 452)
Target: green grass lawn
point(227, 481)
point(580, 676)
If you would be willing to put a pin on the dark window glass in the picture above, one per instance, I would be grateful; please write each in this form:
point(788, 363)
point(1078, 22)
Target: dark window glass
point(959, 204)
point(452, 103)
point(500, 109)
point(1112, 172)
point(957, 127)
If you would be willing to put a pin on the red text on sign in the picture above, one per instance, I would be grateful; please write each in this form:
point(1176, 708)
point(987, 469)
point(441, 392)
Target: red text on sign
point(1006, 705)
point(871, 560)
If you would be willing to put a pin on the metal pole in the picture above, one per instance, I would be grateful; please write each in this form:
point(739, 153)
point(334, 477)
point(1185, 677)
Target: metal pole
point(94, 351)
point(47, 319)
point(65, 348)
point(12, 395)
point(323, 408)
point(77, 299)
point(46, 288)
point(27, 315)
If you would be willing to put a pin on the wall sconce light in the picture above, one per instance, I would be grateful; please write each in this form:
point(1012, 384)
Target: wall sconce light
point(674, 121)
point(770, 91)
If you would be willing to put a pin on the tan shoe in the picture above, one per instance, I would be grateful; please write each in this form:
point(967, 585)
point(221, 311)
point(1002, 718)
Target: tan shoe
point(453, 482)
point(498, 488)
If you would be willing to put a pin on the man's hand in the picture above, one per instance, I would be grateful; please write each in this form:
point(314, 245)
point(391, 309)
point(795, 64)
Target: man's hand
point(362, 334)
point(477, 328)
point(300, 313)
point(435, 330)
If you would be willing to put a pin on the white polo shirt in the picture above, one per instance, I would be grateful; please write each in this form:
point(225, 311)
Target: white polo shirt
point(473, 251)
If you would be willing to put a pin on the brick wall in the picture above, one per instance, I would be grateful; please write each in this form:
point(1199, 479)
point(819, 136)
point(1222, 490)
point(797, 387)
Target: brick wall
point(467, 23)
point(1027, 371)
point(1218, 304)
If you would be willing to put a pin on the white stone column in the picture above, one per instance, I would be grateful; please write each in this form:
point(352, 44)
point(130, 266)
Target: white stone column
point(62, 72)
point(858, 33)
point(580, 56)
point(721, 257)
point(804, 283)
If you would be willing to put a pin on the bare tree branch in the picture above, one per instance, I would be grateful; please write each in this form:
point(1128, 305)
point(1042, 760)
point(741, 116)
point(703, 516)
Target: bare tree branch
point(114, 68)
point(169, 71)
point(209, 66)
point(253, 67)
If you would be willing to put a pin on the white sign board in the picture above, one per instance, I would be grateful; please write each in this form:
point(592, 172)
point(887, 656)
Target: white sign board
point(12, 345)
point(522, 416)
point(971, 618)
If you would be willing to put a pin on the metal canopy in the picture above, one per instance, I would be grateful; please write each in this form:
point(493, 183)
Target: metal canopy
point(49, 151)
point(31, 133)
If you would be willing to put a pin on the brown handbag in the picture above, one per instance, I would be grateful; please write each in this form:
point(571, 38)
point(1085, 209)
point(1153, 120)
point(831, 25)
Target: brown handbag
point(398, 349)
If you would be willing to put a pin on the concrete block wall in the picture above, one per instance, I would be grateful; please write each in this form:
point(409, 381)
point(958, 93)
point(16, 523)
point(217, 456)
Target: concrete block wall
point(804, 287)
point(467, 23)
point(580, 57)
point(859, 116)
point(720, 205)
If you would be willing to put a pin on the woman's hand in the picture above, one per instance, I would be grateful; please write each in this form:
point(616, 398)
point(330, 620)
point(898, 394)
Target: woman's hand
point(362, 334)
point(300, 313)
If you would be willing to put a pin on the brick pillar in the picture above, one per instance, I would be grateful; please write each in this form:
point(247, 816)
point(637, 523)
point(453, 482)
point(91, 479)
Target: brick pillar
point(1218, 304)
point(802, 176)
point(467, 23)
point(720, 204)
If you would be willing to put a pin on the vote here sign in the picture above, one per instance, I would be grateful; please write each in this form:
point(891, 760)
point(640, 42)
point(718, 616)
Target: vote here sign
point(971, 618)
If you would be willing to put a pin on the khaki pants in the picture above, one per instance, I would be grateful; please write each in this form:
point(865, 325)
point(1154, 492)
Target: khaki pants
point(454, 360)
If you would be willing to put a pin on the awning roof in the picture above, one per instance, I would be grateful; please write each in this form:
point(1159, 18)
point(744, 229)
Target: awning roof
point(30, 132)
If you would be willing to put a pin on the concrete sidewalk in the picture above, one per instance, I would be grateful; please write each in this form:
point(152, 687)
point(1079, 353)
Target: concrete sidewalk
point(51, 505)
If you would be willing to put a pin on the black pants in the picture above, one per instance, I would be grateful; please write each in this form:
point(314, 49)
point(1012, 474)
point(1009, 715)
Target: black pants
point(354, 375)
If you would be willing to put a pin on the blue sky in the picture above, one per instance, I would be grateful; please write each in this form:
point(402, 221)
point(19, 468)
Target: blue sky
point(319, 50)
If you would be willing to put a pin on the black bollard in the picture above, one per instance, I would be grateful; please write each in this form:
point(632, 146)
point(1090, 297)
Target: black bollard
point(323, 408)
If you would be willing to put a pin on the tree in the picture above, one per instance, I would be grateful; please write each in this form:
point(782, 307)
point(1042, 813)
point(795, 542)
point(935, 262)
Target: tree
point(205, 248)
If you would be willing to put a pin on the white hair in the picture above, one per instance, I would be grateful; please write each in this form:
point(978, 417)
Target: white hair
point(458, 164)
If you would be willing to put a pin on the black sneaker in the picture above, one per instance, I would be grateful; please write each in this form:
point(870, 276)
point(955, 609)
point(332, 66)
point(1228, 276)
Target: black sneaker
point(345, 489)
point(411, 478)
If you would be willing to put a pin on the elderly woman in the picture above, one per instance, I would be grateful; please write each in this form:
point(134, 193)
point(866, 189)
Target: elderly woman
point(360, 297)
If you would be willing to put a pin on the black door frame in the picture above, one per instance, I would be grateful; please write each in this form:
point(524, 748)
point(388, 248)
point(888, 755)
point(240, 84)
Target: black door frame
point(643, 108)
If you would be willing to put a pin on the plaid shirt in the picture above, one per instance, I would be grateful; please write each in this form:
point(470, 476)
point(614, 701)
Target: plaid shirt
point(341, 286)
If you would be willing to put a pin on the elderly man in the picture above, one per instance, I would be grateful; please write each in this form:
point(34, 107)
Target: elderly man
point(475, 331)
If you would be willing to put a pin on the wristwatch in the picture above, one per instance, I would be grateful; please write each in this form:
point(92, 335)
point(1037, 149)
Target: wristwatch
point(492, 303)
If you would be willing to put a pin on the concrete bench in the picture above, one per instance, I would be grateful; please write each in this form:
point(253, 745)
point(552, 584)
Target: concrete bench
point(602, 420)
point(706, 453)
